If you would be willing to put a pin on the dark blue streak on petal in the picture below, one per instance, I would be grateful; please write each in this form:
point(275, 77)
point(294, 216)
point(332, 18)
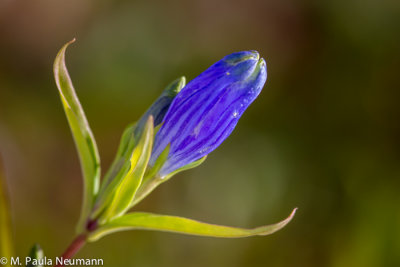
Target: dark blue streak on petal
point(202, 142)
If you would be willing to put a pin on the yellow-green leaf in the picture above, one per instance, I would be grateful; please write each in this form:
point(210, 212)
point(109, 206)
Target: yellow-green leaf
point(6, 240)
point(84, 139)
point(117, 171)
point(122, 157)
point(126, 190)
point(149, 221)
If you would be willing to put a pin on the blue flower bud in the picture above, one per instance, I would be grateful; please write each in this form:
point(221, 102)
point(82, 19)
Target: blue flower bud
point(205, 112)
point(133, 132)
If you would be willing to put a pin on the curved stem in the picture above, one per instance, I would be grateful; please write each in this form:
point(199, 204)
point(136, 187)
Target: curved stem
point(73, 248)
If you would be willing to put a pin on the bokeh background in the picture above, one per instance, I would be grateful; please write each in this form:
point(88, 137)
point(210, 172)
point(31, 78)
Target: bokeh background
point(323, 136)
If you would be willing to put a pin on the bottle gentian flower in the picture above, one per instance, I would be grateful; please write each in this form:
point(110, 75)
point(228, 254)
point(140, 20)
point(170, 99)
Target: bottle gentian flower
point(176, 133)
point(207, 109)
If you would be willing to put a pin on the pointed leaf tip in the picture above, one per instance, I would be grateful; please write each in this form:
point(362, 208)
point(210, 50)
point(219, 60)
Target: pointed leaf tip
point(270, 229)
point(81, 132)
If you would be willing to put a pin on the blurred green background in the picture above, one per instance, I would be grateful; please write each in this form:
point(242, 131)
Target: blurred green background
point(323, 136)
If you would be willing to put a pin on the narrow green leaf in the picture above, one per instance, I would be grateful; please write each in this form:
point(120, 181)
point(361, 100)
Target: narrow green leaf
point(149, 221)
point(84, 140)
point(126, 190)
point(6, 240)
point(35, 257)
point(124, 150)
point(151, 182)
point(117, 171)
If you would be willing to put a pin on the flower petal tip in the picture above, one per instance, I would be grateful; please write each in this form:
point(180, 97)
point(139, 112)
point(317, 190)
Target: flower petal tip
point(238, 57)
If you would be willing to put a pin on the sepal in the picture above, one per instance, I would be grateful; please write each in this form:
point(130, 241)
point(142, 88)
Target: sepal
point(151, 182)
point(126, 189)
point(117, 171)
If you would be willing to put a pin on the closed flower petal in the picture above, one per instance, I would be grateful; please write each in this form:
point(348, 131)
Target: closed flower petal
point(205, 112)
point(160, 107)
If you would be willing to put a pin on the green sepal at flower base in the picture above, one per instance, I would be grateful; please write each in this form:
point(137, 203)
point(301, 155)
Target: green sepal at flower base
point(129, 139)
point(131, 134)
point(153, 180)
point(125, 192)
point(117, 171)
